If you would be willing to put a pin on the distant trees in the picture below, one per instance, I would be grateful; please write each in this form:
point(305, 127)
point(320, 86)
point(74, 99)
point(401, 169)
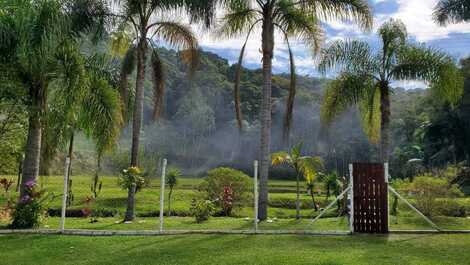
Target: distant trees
point(292, 19)
point(366, 76)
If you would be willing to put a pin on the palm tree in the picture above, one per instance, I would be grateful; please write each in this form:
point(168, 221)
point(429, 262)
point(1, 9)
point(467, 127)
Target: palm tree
point(38, 49)
point(304, 166)
point(171, 181)
point(292, 19)
point(141, 28)
point(452, 11)
point(365, 77)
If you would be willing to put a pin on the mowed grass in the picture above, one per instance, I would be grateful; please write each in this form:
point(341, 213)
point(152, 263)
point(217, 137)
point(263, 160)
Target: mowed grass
point(236, 249)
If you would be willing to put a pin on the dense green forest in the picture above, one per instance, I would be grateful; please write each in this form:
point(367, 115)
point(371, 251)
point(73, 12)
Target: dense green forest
point(198, 128)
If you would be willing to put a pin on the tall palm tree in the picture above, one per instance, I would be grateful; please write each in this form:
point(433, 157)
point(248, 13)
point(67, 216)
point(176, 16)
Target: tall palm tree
point(144, 24)
point(452, 11)
point(38, 48)
point(304, 166)
point(292, 19)
point(366, 75)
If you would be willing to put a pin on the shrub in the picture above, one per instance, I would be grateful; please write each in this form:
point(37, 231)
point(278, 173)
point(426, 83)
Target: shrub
point(452, 208)
point(227, 188)
point(130, 176)
point(30, 208)
point(202, 210)
point(428, 189)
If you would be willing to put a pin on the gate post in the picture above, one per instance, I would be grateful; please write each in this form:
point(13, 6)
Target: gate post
point(351, 199)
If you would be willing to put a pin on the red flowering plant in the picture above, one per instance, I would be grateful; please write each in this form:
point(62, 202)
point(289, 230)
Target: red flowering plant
point(30, 208)
point(227, 200)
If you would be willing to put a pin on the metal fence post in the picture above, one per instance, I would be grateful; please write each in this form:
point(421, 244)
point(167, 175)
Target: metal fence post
point(351, 200)
point(64, 196)
point(162, 194)
point(255, 191)
point(387, 179)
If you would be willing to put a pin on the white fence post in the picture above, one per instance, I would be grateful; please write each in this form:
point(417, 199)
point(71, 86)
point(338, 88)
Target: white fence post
point(351, 200)
point(387, 179)
point(162, 194)
point(255, 191)
point(64, 196)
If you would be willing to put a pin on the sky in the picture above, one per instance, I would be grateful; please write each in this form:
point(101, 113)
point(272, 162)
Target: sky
point(416, 14)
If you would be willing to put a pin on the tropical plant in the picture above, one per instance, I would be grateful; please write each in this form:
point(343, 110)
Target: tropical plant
point(365, 77)
point(220, 181)
point(332, 183)
point(292, 19)
point(202, 210)
point(304, 166)
point(38, 49)
point(172, 181)
point(144, 22)
point(451, 11)
point(131, 180)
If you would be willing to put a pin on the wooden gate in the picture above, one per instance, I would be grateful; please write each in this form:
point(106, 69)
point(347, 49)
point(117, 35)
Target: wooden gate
point(370, 198)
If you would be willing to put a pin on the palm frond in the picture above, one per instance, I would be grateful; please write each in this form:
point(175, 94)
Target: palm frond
point(417, 62)
point(295, 22)
point(128, 66)
point(279, 158)
point(371, 116)
point(346, 10)
point(180, 37)
point(349, 56)
point(239, 19)
point(290, 98)
point(310, 166)
point(451, 11)
point(158, 84)
point(345, 91)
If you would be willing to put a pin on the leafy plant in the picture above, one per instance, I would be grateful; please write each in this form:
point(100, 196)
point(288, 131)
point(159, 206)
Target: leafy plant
point(202, 210)
point(305, 166)
point(30, 208)
point(222, 179)
point(172, 181)
point(131, 177)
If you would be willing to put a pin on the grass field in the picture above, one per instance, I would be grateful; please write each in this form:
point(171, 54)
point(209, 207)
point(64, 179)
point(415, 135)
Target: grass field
point(237, 249)
point(281, 210)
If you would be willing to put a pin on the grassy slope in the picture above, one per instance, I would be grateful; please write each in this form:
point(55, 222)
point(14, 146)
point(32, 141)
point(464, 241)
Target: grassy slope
point(236, 249)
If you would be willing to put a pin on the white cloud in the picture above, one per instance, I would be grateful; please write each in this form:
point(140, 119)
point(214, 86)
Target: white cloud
point(417, 16)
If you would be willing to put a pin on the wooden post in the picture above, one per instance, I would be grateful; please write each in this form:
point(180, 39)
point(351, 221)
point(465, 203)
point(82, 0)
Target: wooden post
point(351, 200)
point(255, 192)
point(162, 194)
point(64, 196)
point(387, 179)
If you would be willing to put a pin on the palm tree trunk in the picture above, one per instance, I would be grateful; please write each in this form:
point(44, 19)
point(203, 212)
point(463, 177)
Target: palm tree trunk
point(313, 199)
point(70, 153)
point(385, 122)
point(33, 144)
point(169, 201)
point(268, 46)
point(297, 202)
point(137, 120)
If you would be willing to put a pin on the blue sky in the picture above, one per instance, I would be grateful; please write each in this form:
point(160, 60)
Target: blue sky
point(416, 14)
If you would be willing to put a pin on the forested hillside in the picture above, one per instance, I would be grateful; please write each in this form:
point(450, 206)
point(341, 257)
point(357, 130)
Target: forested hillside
point(198, 130)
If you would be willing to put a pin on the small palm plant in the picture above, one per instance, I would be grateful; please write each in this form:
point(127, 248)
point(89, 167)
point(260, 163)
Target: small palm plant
point(333, 185)
point(172, 181)
point(306, 166)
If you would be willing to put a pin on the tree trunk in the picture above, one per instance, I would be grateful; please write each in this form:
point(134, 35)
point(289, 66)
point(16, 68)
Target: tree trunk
point(130, 213)
point(137, 119)
point(70, 153)
point(268, 46)
point(297, 202)
point(69, 171)
point(33, 144)
point(313, 199)
point(169, 201)
point(385, 121)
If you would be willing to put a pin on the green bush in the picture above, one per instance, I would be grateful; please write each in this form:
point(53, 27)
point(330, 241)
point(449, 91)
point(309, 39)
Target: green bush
point(452, 208)
point(219, 178)
point(428, 189)
point(202, 210)
point(31, 207)
point(130, 176)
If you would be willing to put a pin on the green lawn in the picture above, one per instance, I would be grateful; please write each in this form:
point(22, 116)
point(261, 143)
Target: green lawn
point(236, 249)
